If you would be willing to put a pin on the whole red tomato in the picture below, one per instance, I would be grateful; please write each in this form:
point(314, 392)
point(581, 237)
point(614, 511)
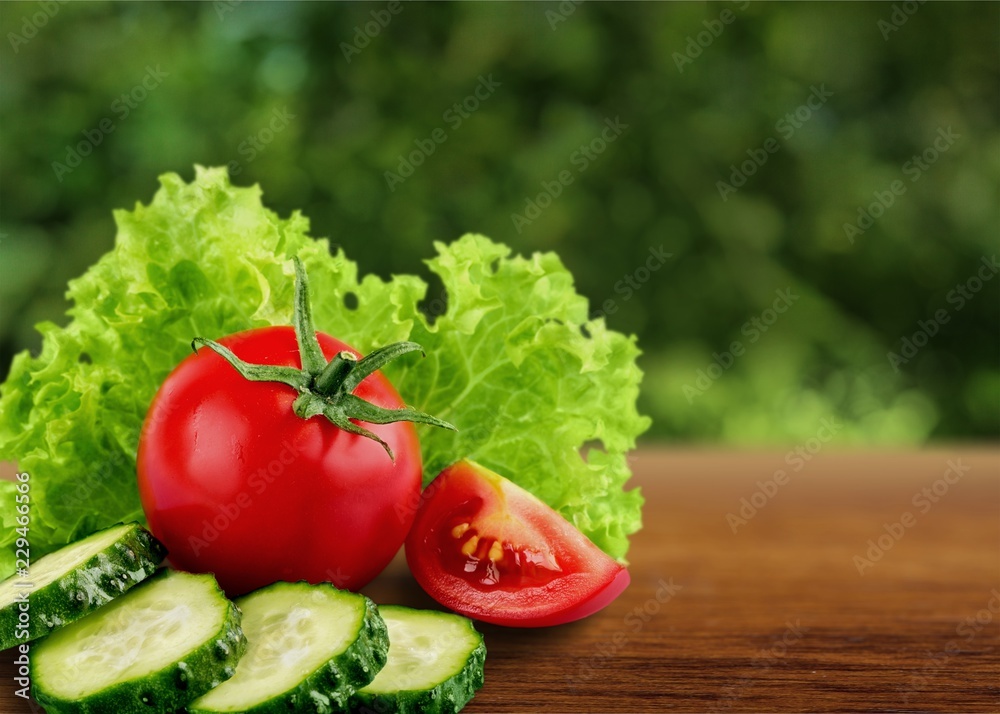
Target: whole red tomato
point(250, 481)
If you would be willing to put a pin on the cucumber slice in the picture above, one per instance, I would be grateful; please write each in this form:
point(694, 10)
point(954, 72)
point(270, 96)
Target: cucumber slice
point(153, 650)
point(71, 582)
point(435, 664)
point(310, 647)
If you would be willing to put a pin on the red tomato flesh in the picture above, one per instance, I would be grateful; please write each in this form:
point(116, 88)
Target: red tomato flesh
point(234, 483)
point(485, 547)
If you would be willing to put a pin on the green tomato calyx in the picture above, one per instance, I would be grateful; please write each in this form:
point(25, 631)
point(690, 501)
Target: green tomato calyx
point(327, 387)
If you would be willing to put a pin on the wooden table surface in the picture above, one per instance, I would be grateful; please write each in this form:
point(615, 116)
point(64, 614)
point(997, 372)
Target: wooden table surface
point(778, 615)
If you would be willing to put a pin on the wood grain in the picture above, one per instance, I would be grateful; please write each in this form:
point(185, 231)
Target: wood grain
point(775, 617)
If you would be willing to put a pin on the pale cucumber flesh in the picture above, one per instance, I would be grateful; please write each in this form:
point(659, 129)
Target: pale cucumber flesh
point(75, 580)
point(292, 630)
point(426, 649)
point(153, 627)
point(49, 568)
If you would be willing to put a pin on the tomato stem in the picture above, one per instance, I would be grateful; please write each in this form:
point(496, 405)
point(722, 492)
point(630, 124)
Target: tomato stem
point(333, 375)
point(327, 388)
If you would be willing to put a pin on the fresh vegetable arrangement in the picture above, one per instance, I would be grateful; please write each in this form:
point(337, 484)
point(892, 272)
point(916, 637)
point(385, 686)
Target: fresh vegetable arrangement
point(176, 643)
point(507, 362)
point(328, 481)
point(278, 459)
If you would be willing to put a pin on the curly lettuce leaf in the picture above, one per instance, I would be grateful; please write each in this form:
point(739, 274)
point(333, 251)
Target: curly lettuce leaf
point(510, 365)
point(509, 362)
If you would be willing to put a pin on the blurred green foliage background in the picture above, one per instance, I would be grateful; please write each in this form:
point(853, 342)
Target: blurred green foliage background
point(700, 93)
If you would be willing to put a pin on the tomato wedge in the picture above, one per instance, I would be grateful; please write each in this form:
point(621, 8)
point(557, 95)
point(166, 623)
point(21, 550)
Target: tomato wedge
point(486, 548)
